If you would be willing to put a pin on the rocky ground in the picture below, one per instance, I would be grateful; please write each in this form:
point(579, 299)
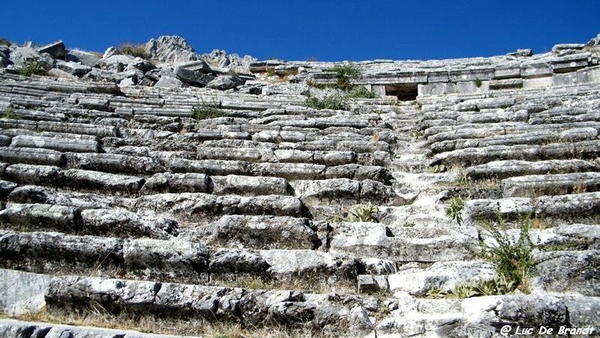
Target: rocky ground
point(153, 189)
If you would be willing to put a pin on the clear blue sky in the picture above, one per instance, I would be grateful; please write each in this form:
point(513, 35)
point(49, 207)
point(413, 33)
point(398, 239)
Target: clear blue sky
point(299, 30)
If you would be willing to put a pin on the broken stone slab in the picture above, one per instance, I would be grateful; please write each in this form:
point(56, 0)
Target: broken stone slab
point(550, 184)
point(225, 82)
point(175, 183)
point(442, 276)
point(310, 264)
point(581, 207)
point(32, 174)
point(194, 73)
point(112, 294)
point(405, 244)
point(114, 163)
point(231, 263)
point(56, 143)
point(88, 179)
point(570, 236)
point(511, 168)
point(53, 252)
point(85, 58)
point(56, 49)
point(583, 310)
point(173, 259)
point(73, 68)
point(249, 185)
point(315, 191)
point(512, 208)
point(567, 271)
point(29, 299)
point(263, 232)
point(32, 156)
point(122, 223)
point(41, 217)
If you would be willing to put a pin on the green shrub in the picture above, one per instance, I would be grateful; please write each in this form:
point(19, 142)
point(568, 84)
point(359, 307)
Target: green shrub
point(363, 213)
point(328, 102)
point(361, 92)
point(478, 83)
point(454, 210)
point(512, 258)
point(4, 41)
point(32, 67)
point(208, 111)
point(137, 50)
point(10, 114)
point(500, 285)
point(344, 74)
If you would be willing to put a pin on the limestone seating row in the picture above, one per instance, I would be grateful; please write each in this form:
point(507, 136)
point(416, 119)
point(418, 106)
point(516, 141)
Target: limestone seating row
point(580, 207)
point(513, 168)
point(585, 150)
point(171, 260)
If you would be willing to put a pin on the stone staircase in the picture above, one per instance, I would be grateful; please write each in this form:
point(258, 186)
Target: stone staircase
point(120, 203)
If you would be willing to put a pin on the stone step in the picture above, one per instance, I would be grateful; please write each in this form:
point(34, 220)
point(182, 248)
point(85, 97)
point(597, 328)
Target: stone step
point(532, 138)
point(251, 308)
point(512, 168)
point(405, 244)
point(449, 132)
point(263, 232)
point(10, 328)
point(574, 207)
point(202, 207)
point(478, 315)
point(551, 184)
point(315, 192)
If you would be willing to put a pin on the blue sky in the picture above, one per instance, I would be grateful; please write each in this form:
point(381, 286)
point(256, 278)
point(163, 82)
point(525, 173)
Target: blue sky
point(299, 30)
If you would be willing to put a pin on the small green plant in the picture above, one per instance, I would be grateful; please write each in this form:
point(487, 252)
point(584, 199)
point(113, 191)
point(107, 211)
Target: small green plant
point(438, 168)
point(328, 102)
point(363, 213)
point(454, 209)
point(344, 74)
point(512, 258)
point(361, 92)
point(32, 66)
point(416, 134)
point(10, 114)
point(137, 50)
point(499, 285)
point(478, 83)
point(208, 110)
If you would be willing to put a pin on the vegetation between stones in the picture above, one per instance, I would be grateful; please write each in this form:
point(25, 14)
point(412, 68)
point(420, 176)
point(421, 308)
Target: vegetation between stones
point(454, 210)
point(33, 67)
point(511, 257)
point(208, 110)
point(363, 213)
point(328, 102)
point(137, 50)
